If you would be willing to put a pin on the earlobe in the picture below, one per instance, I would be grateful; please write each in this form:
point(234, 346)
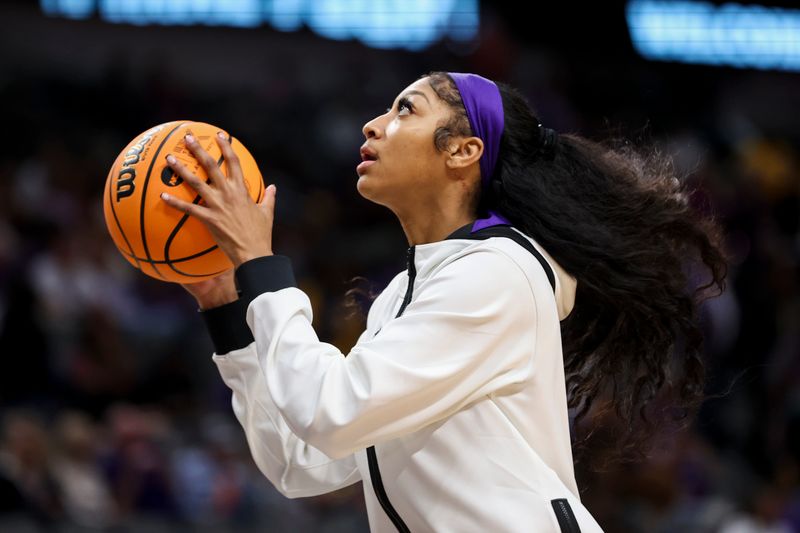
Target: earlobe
point(465, 152)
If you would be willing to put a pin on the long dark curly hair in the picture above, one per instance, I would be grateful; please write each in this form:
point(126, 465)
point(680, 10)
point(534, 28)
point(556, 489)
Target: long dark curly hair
point(618, 219)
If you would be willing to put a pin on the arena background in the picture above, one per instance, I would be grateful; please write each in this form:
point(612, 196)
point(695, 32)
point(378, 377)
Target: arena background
point(113, 415)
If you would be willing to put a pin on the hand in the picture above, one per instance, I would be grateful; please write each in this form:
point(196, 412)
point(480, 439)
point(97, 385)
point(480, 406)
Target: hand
point(241, 227)
point(214, 292)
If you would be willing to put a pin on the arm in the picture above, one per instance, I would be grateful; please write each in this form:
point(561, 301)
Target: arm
point(295, 468)
point(469, 331)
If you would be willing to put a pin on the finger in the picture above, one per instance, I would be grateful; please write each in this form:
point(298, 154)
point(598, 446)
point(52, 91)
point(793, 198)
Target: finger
point(196, 210)
point(268, 201)
point(208, 163)
point(231, 159)
point(202, 188)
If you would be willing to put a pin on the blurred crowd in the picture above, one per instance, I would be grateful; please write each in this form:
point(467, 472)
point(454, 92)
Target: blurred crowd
point(112, 416)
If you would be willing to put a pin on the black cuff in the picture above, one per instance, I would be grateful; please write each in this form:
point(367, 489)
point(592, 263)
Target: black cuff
point(264, 274)
point(228, 327)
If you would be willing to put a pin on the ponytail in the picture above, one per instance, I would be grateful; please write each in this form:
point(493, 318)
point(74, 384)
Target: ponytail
point(618, 220)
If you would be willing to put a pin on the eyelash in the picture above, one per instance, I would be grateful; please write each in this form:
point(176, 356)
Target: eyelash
point(403, 103)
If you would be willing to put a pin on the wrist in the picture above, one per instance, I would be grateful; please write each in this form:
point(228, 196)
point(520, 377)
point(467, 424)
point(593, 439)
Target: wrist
point(244, 257)
point(210, 301)
point(264, 274)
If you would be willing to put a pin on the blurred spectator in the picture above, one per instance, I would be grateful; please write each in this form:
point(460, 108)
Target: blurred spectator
point(86, 495)
point(113, 416)
point(137, 463)
point(27, 469)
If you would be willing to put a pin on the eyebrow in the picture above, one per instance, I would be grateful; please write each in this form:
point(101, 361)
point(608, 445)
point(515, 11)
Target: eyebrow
point(422, 94)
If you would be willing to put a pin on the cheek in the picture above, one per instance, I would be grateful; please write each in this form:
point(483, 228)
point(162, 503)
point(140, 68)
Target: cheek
point(391, 129)
point(412, 151)
point(425, 163)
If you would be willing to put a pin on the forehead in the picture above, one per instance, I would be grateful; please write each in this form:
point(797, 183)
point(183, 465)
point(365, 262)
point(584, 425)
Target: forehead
point(423, 86)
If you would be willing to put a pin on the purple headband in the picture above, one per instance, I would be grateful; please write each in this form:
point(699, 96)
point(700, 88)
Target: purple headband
point(484, 107)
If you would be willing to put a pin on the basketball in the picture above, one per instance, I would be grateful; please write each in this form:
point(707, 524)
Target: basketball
point(154, 237)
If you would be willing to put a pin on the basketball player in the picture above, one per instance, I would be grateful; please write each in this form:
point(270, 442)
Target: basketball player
point(543, 270)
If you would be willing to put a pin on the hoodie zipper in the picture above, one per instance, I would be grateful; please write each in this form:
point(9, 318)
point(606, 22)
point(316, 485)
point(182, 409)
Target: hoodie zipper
point(563, 512)
point(372, 458)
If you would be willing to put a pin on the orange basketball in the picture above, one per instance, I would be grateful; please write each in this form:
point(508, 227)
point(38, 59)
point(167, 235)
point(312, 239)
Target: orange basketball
point(154, 237)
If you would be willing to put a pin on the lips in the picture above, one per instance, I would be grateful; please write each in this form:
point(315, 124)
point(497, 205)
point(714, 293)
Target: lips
point(368, 154)
point(368, 157)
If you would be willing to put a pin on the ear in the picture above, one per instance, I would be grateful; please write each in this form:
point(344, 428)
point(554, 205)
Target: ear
point(464, 151)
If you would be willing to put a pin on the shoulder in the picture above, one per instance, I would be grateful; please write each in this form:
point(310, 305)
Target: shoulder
point(484, 261)
point(481, 276)
point(495, 262)
point(534, 269)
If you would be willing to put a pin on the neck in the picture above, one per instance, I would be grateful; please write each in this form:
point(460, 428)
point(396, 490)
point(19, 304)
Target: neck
point(434, 226)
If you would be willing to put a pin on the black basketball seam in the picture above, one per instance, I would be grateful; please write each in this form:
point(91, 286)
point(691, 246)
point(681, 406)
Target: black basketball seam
point(144, 196)
point(167, 261)
point(210, 275)
point(116, 219)
point(179, 260)
point(177, 228)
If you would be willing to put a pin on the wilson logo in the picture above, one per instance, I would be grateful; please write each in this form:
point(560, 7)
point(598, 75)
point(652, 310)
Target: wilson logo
point(126, 179)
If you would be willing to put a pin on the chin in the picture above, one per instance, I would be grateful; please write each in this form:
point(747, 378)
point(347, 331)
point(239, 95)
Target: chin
point(366, 187)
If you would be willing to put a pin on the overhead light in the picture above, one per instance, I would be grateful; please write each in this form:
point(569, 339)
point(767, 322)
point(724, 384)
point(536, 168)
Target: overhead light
point(744, 36)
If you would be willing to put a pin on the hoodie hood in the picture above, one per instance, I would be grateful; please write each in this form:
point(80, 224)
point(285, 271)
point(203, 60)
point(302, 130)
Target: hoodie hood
point(566, 284)
point(431, 256)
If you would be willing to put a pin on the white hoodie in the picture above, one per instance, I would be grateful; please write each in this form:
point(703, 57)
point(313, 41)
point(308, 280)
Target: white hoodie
point(462, 395)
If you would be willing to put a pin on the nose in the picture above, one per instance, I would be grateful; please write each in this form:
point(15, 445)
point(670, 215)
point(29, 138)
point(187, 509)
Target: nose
point(373, 129)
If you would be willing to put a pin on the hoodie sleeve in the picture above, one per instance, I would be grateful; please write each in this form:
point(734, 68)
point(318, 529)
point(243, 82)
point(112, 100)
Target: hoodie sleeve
point(469, 331)
point(294, 467)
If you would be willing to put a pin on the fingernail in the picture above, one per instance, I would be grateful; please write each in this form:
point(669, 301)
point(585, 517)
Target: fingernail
point(164, 196)
point(171, 159)
point(221, 134)
point(189, 138)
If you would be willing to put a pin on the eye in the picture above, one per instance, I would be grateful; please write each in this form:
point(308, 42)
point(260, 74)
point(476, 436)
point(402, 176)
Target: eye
point(404, 105)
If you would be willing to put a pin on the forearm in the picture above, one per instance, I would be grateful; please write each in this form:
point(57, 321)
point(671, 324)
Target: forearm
point(460, 339)
point(294, 467)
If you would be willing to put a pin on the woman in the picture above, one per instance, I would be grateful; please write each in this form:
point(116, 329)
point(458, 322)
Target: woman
point(452, 406)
